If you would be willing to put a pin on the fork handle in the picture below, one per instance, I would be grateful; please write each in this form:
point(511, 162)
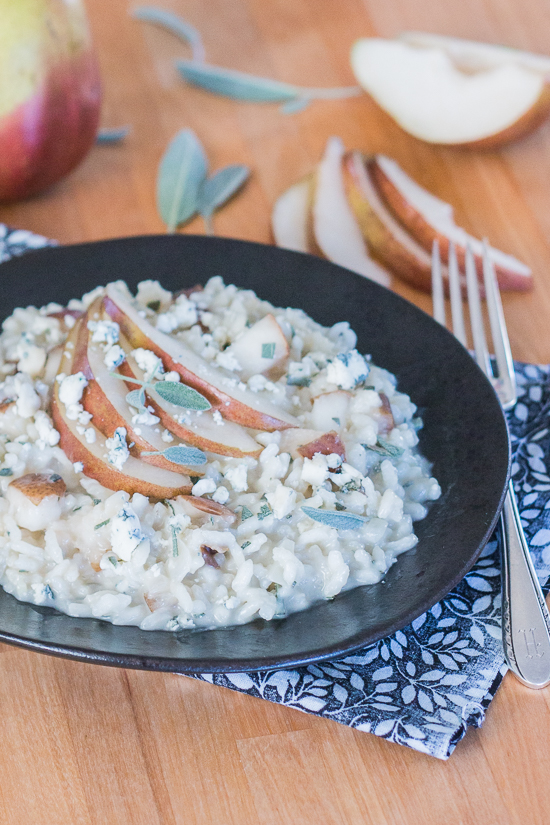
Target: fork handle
point(525, 617)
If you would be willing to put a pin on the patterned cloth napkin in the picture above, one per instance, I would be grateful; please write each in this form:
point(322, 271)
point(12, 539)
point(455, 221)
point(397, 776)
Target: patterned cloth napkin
point(425, 685)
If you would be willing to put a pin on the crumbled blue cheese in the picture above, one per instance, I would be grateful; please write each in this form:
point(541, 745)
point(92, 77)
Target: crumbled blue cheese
point(47, 434)
point(217, 416)
point(343, 336)
point(172, 376)
point(167, 436)
point(71, 388)
point(114, 357)
point(204, 485)
point(28, 401)
point(236, 476)
point(78, 467)
point(348, 370)
point(90, 435)
point(126, 532)
point(221, 495)
point(104, 332)
point(149, 292)
point(31, 358)
point(299, 373)
point(315, 471)
point(182, 315)
point(282, 500)
point(227, 360)
point(147, 361)
point(118, 449)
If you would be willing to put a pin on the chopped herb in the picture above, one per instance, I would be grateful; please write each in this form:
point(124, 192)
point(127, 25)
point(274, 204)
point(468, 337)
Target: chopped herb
point(383, 447)
point(331, 518)
point(245, 545)
point(113, 560)
point(268, 350)
point(102, 524)
point(96, 501)
point(170, 505)
point(175, 550)
point(194, 479)
point(265, 511)
point(48, 592)
point(337, 421)
point(246, 513)
point(6, 471)
point(154, 305)
point(76, 509)
point(298, 381)
point(351, 486)
point(339, 506)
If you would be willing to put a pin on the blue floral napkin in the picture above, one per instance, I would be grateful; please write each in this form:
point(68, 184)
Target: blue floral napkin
point(425, 685)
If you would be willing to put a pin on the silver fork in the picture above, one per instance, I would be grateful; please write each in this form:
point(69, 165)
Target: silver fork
point(525, 617)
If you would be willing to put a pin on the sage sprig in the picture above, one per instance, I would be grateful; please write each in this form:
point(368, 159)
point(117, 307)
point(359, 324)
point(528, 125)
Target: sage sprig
point(243, 86)
point(184, 188)
point(185, 31)
point(383, 447)
point(184, 456)
point(172, 391)
point(335, 518)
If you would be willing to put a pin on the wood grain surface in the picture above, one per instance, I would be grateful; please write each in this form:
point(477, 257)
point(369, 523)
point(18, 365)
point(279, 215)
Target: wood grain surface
point(85, 745)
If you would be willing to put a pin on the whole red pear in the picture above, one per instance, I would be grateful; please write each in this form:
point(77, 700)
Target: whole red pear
point(50, 93)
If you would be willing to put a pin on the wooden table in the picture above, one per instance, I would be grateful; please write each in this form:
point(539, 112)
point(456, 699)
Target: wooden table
point(98, 746)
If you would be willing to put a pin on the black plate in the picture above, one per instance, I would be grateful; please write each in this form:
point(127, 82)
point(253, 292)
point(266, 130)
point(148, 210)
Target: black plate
point(465, 437)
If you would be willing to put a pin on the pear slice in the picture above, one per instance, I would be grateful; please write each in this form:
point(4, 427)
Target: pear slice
point(262, 348)
point(429, 97)
point(289, 217)
point(105, 399)
point(474, 56)
point(330, 410)
point(305, 443)
point(199, 429)
point(389, 242)
point(335, 230)
point(428, 219)
point(135, 477)
point(240, 405)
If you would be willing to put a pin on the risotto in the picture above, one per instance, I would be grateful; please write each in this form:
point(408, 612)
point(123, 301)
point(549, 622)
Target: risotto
point(198, 459)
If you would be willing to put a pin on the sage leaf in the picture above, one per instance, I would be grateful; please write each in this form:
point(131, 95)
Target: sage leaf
point(112, 135)
point(182, 172)
point(234, 84)
point(268, 350)
point(244, 86)
point(332, 518)
point(6, 471)
point(181, 395)
point(218, 189)
point(246, 513)
point(185, 31)
point(185, 456)
point(136, 398)
point(383, 447)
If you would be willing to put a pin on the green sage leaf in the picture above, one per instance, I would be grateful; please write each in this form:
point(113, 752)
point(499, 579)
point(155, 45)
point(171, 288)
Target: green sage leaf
point(182, 172)
point(112, 135)
point(185, 456)
point(173, 23)
point(383, 447)
point(246, 513)
point(336, 519)
point(6, 471)
point(265, 511)
point(234, 84)
point(136, 398)
point(218, 189)
point(181, 395)
point(102, 524)
point(268, 350)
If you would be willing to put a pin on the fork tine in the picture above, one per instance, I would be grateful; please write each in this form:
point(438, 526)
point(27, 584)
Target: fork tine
point(476, 318)
point(501, 343)
point(438, 302)
point(456, 297)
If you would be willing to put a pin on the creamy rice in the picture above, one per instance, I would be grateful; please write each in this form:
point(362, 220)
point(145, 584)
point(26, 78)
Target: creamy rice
point(163, 565)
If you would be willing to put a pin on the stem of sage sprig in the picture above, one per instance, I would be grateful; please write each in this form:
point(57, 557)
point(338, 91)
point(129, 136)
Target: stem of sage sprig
point(112, 135)
point(181, 28)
